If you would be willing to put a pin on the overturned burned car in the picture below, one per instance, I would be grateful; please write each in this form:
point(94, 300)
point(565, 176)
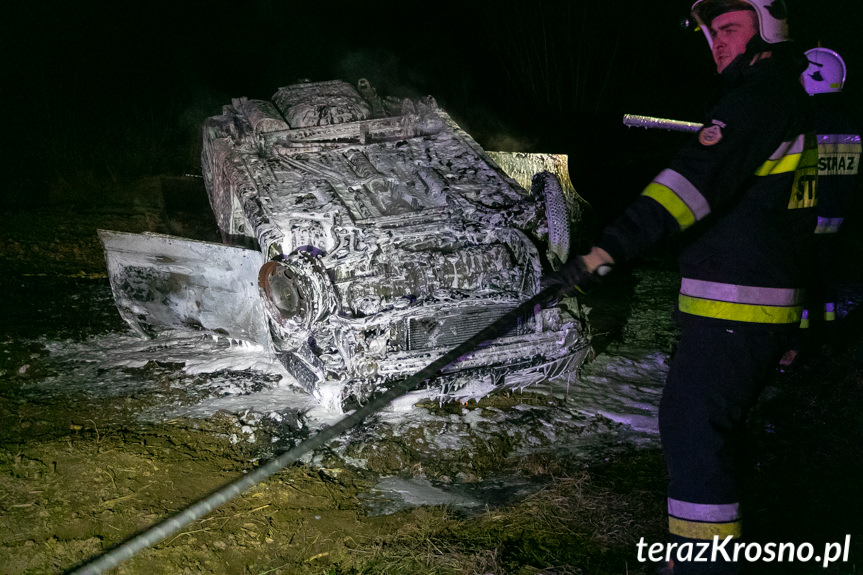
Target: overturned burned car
point(366, 236)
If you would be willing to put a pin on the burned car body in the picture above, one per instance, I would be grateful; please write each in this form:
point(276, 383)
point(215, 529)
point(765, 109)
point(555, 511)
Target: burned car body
point(382, 235)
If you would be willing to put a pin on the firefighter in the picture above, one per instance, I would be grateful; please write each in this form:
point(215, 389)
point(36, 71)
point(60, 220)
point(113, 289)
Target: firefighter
point(743, 192)
point(838, 185)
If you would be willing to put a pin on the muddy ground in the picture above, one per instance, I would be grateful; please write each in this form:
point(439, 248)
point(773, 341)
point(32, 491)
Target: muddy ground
point(77, 477)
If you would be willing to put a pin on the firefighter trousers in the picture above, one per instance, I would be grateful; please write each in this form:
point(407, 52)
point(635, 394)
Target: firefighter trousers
point(716, 375)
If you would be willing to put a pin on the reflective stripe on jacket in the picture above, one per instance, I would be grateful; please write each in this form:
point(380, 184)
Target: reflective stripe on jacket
point(740, 303)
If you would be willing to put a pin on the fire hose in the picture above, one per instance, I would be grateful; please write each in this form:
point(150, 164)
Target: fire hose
point(171, 525)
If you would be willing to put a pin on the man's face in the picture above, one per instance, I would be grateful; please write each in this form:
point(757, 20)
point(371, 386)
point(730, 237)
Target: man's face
point(731, 32)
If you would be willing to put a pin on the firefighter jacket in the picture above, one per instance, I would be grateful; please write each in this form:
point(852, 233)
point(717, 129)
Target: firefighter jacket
point(839, 151)
point(743, 188)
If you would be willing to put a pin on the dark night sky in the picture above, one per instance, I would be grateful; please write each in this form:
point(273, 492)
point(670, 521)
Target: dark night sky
point(88, 82)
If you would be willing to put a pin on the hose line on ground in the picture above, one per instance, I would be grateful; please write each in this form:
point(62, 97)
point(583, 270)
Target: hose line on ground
point(171, 525)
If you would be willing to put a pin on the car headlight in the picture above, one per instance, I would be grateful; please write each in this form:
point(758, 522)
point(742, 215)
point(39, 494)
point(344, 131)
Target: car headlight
point(296, 293)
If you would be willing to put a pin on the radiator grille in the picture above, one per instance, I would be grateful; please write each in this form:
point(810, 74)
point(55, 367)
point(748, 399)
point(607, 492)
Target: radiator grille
point(453, 327)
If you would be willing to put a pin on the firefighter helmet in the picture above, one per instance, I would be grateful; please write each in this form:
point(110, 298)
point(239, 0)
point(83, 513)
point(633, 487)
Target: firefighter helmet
point(772, 17)
point(826, 72)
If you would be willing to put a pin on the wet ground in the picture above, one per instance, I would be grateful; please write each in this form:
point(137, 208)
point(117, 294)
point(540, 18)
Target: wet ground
point(102, 434)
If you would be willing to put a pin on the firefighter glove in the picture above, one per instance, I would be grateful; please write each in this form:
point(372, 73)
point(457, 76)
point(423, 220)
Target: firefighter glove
point(573, 276)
